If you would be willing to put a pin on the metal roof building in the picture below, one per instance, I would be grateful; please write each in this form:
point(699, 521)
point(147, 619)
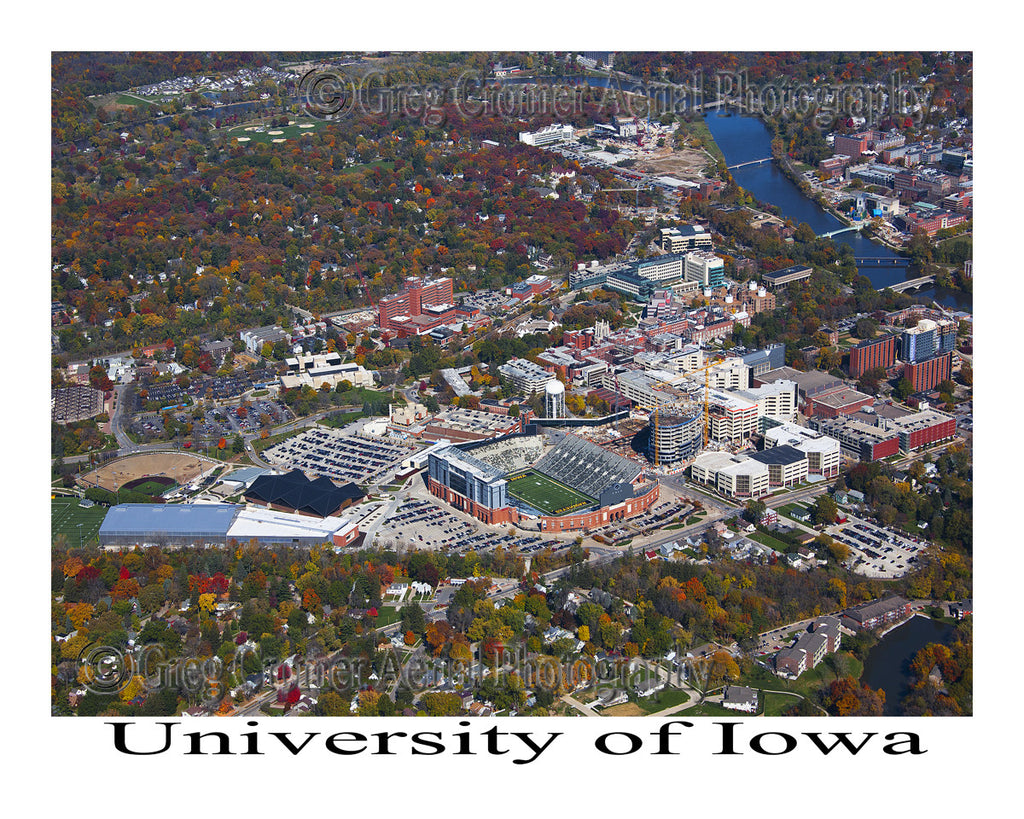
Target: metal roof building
point(215, 524)
point(293, 491)
point(130, 524)
point(269, 527)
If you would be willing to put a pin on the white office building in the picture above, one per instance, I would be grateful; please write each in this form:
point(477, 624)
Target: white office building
point(550, 135)
point(823, 453)
point(527, 377)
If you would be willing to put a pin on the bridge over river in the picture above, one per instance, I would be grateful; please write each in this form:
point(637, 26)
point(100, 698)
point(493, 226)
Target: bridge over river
point(909, 285)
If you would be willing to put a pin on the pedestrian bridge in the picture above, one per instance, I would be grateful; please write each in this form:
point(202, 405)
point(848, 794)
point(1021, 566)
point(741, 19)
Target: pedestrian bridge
point(830, 234)
point(909, 285)
point(751, 162)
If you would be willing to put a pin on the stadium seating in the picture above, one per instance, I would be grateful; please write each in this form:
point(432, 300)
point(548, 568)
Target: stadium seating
point(586, 467)
point(512, 455)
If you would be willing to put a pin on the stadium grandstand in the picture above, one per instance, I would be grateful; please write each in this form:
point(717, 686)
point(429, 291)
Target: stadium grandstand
point(586, 467)
point(511, 454)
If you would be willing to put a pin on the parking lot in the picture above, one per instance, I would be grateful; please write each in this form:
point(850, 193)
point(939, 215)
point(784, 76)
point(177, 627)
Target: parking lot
point(340, 456)
point(421, 524)
point(218, 422)
point(879, 551)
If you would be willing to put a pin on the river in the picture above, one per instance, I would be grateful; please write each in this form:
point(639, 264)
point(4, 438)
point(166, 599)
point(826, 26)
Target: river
point(888, 663)
point(742, 139)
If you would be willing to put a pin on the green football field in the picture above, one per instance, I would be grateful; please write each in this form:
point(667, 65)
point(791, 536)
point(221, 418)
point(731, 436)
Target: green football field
point(66, 514)
point(547, 495)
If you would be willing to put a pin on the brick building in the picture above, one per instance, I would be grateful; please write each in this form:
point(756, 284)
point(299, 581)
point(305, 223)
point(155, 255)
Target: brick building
point(876, 613)
point(930, 372)
point(872, 353)
point(858, 439)
point(923, 429)
point(396, 311)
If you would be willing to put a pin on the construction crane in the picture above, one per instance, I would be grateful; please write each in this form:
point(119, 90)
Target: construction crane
point(656, 408)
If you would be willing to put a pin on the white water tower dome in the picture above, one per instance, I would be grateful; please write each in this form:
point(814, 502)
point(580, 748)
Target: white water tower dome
point(761, 292)
point(707, 292)
point(728, 298)
point(554, 399)
point(752, 285)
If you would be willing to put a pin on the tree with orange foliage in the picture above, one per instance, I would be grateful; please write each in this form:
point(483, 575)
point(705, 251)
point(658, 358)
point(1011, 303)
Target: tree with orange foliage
point(846, 697)
point(311, 601)
point(72, 566)
point(437, 635)
point(125, 588)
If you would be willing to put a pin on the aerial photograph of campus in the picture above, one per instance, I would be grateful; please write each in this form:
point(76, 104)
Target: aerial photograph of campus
point(511, 383)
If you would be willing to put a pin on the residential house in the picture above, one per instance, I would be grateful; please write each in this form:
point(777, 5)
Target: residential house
point(740, 698)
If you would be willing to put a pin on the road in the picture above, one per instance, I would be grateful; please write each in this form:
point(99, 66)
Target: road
point(687, 490)
point(117, 420)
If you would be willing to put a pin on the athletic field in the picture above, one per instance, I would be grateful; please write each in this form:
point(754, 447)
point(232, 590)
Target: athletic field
point(546, 494)
point(66, 514)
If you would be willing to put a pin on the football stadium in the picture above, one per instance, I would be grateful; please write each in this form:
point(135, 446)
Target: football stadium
point(560, 480)
point(536, 489)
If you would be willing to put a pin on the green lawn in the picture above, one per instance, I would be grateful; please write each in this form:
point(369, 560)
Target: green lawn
point(546, 494)
point(770, 542)
point(66, 514)
point(131, 99)
point(665, 698)
point(710, 709)
point(260, 444)
point(790, 508)
point(368, 165)
point(775, 705)
point(154, 488)
point(340, 419)
point(386, 615)
point(698, 129)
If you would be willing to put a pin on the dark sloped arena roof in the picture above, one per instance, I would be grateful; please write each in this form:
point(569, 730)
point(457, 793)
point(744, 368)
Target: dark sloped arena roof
point(294, 490)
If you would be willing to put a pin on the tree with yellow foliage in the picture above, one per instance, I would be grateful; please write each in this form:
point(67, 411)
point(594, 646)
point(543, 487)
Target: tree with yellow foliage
point(136, 685)
point(368, 703)
point(80, 613)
